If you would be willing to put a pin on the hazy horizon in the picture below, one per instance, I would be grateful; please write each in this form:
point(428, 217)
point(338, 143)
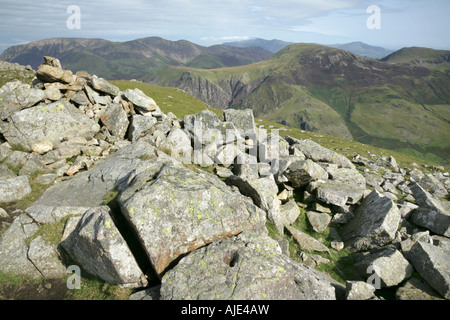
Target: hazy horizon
point(401, 23)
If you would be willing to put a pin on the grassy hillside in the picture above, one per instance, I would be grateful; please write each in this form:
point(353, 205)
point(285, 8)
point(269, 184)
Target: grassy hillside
point(391, 105)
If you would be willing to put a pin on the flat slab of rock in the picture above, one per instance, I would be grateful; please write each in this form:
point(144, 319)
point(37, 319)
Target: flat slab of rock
point(102, 85)
point(432, 263)
point(249, 266)
point(243, 120)
point(435, 221)
point(307, 242)
point(140, 100)
point(317, 153)
point(318, 220)
point(388, 264)
point(14, 188)
point(415, 289)
point(375, 223)
point(177, 211)
point(97, 245)
point(60, 119)
point(359, 290)
point(301, 173)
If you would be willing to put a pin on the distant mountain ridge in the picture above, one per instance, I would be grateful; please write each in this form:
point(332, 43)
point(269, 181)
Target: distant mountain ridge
point(364, 49)
point(131, 59)
point(270, 45)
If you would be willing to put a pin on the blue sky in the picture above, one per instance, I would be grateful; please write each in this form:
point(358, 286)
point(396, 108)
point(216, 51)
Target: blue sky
point(403, 22)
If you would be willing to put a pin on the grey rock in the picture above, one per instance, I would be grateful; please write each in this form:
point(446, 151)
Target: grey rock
point(53, 94)
point(246, 166)
point(290, 212)
point(227, 154)
point(60, 119)
point(16, 96)
point(14, 189)
point(46, 259)
point(97, 245)
point(142, 103)
point(102, 85)
point(359, 290)
point(179, 145)
point(375, 223)
point(316, 152)
point(416, 289)
point(432, 220)
point(116, 120)
point(433, 185)
point(250, 266)
point(32, 166)
point(387, 263)
point(301, 173)
point(175, 210)
point(333, 192)
point(47, 73)
point(80, 98)
point(307, 242)
point(13, 248)
point(152, 293)
point(88, 189)
point(425, 200)
point(432, 263)
point(140, 126)
point(5, 172)
point(318, 220)
point(243, 120)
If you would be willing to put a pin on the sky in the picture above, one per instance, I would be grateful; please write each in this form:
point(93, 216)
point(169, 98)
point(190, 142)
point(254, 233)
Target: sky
point(394, 24)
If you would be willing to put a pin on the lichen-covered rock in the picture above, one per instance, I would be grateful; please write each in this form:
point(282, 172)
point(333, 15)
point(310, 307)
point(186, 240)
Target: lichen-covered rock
point(250, 266)
point(140, 126)
point(176, 211)
point(46, 259)
point(435, 221)
point(60, 119)
point(16, 96)
point(116, 120)
point(14, 189)
point(243, 120)
point(375, 223)
point(359, 290)
point(432, 263)
point(97, 245)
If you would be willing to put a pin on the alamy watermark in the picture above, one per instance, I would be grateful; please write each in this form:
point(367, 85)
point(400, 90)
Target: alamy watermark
point(374, 21)
point(74, 280)
point(73, 22)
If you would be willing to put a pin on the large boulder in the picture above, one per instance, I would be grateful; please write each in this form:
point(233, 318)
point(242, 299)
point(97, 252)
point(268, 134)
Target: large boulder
point(175, 211)
point(433, 220)
point(388, 264)
point(301, 173)
point(16, 96)
point(59, 119)
point(432, 263)
point(140, 126)
point(141, 102)
point(116, 120)
point(243, 120)
point(99, 248)
point(375, 223)
point(48, 73)
point(250, 266)
point(88, 189)
point(102, 85)
point(317, 153)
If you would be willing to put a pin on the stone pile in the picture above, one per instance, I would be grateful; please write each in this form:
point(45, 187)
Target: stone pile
point(141, 213)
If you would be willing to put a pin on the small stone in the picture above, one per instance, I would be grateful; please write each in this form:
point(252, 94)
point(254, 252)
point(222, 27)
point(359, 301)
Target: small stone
point(42, 147)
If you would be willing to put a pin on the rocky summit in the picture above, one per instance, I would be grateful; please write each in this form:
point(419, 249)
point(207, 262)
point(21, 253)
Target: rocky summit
point(208, 206)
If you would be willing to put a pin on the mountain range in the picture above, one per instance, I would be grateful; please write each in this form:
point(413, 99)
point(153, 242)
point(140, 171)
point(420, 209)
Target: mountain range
point(399, 102)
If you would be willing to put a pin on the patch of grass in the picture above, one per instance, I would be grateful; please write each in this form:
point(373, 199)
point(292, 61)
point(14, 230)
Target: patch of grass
point(7, 279)
point(51, 232)
point(95, 289)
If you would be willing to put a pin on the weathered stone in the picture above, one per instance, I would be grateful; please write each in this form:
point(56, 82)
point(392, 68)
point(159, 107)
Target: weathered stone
point(316, 152)
point(97, 245)
point(432, 263)
point(42, 147)
point(140, 126)
point(60, 119)
point(32, 166)
point(47, 73)
point(433, 185)
point(318, 220)
point(301, 173)
point(88, 189)
point(387, 263)
point(13, 248)
point(333, 192)
point(375, 223)
point(175, 210)
point(102, 85)
point(432, 220)
point(204, 127)
point(116, 120)
point(250, 266)
point(227, 154)
point(359, 290)
point(14, 189)
point(16, 96)
point(307, 242)
point(415, 289)
point(141, 102)
point(246, 166)
point(46, 259)
point(290, 212)
point(152, 293)
point(425, 200)
point(80, 98)
point(179, 145)
point(243, 120)
point(6, 173)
